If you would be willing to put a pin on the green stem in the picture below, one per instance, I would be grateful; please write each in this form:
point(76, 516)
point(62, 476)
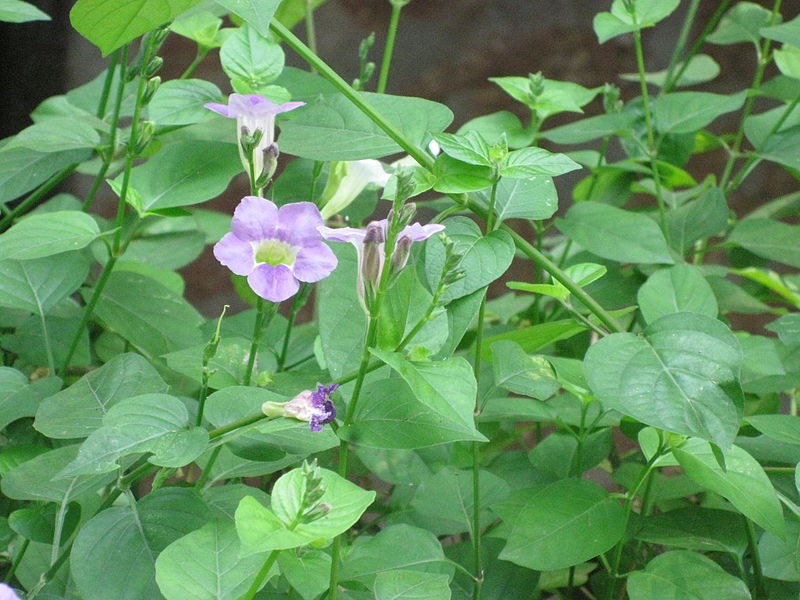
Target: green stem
point(297, 303)
point(264, 314)
point(262, 576)
point(102, 104)
point(31, 200)
point(16, 560)
point(201, 481)
point(764, 59)
point(202, 52)
point(688, 21)
point(758, 574)
point(388, 50)
point(311, 31)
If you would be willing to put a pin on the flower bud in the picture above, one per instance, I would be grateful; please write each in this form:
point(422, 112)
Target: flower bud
point(373, 257)
point(535, 85)
point(153, 66)
point(150, 89)
point(611, 98)
point(248, 141)
point(271, 154)
point(144, 136)
point(401, 252)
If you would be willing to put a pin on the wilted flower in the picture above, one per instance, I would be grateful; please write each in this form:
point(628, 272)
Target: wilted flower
point(347, 180)
point(7, 593)
point(375, 237)
point(275, 248)
point(255, 116)
point(314, 407)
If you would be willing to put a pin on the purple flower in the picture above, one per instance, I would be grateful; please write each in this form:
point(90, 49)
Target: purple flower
point(375, 234)
point(314, 407)
point(7, 593)
point(275, 248)
point(253, 113)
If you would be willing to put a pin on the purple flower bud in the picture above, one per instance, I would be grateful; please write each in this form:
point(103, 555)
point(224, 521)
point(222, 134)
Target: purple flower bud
point(314, 407)
point(401, 252)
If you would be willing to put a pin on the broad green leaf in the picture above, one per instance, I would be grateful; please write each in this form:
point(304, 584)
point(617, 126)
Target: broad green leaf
point(261, 529)
point(307, 572)
point(788, 60)
point(679, 575)
point(502, 580)
point(701, 218)
point(180, 101)
point(788, 329)
point(786, 33)
point(227, 367)
point(153, 318)
point(22, 170)
point(395, 547)
point(741, 23)
point(251, 57)
point(36, 522)
point(686, 112)
point(783, 428)
point(564, 524)
point(779, 556)
point(556, 96)
point(447, 387)
point(411, 585)
point(17, 11)
point(114, 553)
point(743, 482)
point(765, 369)
point(40, 235)
point(35, 479)
point(78, 410)
point(696, 528)
point(768, 238)
point(256, 13)
point(19, 398)
point(536, 337)
point(206, 565)
point(591, 128)
point(485, 257)
point(780, 148)
point(497, 124)
point(469, 147)
point(681, 375)
point(615, 233)
point(332, 128)
point(619, 20)
point(109, 24)
point(38, 285)
point(701, 68)
point(156, 423)
point(559, 456)
point(517, 372)
point(291, 12)
point(445, 500)
point(200, 26)
point(530, 198)
point(452, 176)
point(530, 162)
point(56, 134)
point(186, 173)
point(681, 288)
point(581, 273)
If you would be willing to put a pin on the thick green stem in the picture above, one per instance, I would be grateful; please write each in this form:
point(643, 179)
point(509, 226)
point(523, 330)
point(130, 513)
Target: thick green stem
point(262, 576)
point(388, 50)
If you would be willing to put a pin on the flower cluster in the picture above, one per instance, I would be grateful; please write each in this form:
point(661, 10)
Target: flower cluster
point(275, 248)
point(314, 407)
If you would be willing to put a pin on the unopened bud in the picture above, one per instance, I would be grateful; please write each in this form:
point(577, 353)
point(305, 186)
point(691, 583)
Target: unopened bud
point(271, 154)
point(373, 256)
point(150, 89)
point(319, 511)
point(248, 140)
point(401, 252)
point(153, 67)
point(535, 85)
point(611, 98)
point(144, 136)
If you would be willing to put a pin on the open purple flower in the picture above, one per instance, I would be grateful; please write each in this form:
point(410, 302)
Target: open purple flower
point(275, 248)
point(7, 593)
point(375, 236)
point(314, 407)
point(253, 113)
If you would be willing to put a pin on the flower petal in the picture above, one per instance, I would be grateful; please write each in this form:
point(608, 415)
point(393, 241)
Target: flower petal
point(298, 222)
point(419, 232)
point(343, 234)
point(273, 283)
point(314, 262)
point(222, 109)
point(235, 254)
point(255, 219)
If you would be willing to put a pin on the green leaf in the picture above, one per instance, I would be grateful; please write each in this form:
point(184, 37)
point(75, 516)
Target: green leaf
point(536, 337)
point(788, 329)
point(186, 173)
point(17, 11)
point(332, 128)
point(741, 23)
point(114, 553)
point(452, 176)
point(564, 524)
point(395, 547)
point(768, 238)
point(41, 235)
point(497, 124)
point(251, 57)
point(37, 522)
point(530, 162)
point(206, 565)
point(38, 285)
point(556, 96)
point(686, 112)
point(517, 372)
point(156, 423)
point(22, 170)
point(200, 26)
point(780, 148)
point(591, 128)
point(180, 101)
point(681, 288)
point(469, 147)
point(782, 428)
point(153, 318)
point(20, 399)
point(447, 387)
point(779, 556)
point(411, 585)
point(696, 528)
point(786, 33)
point(701, 68)
point(530, 198)
point(291, 12)
point(788, 60)
point(581, 273)
point(56, 134)
point(697, 219)
point(261, 530)
point(681, 375)
point(109, 24)
point(743, 482)
point(256, 13)
point(614, 233)
point(679, 575)
point(485, 257)
point(558, 455)
point(307, 572)
point(79, 410)
point(619, 20)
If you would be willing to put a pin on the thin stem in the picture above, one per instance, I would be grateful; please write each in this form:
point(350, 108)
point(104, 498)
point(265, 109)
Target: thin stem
point(388, 50)
point(202, 52)
point(261, 577)
point(758, 574)
point(37, 195)
point(311, 32)
point(688, 21)
point(17, 559)
point(264, 313)
point(101, 105)
point(297, 303)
